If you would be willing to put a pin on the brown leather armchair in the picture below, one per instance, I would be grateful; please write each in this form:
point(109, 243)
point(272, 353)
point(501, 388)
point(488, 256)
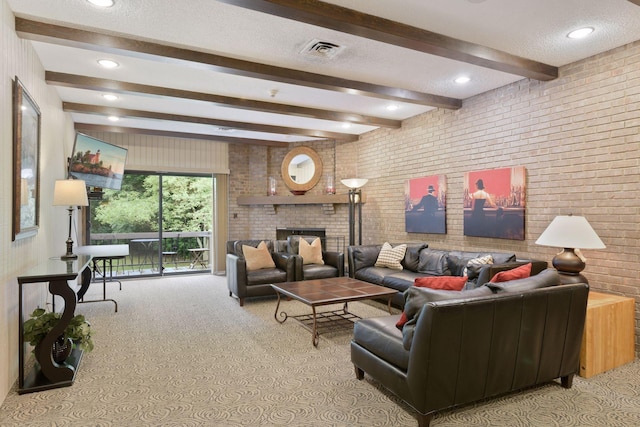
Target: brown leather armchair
point(243, 283)
point(333, 261)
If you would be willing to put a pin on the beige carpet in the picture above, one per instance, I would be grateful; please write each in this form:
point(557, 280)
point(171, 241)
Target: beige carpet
point(181, 352)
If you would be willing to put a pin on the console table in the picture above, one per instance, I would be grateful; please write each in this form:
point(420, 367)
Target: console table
point(49, 374)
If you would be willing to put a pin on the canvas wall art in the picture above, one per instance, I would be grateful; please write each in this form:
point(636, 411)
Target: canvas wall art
point(425, 205)
point(494, 203)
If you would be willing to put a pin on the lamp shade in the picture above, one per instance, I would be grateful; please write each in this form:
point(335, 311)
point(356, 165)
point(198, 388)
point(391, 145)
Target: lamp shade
point(354, 182)
point(570, 231)
point(70, 192)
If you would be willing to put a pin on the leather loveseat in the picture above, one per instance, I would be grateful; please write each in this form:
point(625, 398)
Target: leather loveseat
point(421, 261)
point(462, 347)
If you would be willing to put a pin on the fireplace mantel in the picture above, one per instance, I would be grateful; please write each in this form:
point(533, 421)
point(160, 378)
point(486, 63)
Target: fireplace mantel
point(324, 199)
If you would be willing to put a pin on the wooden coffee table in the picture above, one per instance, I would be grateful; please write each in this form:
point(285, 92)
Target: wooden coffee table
point(320, 292)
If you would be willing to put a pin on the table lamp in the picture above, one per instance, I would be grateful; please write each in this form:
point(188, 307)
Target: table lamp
point(355, 197)
point(70, 193)
point(570, 232)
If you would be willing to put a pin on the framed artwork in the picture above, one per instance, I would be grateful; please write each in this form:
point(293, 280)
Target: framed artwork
point(494, 203)
point(425, 205)
point(26, 163)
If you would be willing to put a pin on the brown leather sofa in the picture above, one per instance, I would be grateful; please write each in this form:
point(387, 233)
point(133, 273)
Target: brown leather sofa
point(243, 283)
point(421, 261)
point(482, 343)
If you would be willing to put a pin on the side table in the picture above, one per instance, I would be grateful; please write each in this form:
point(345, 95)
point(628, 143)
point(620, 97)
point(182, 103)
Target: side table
point(608, 340)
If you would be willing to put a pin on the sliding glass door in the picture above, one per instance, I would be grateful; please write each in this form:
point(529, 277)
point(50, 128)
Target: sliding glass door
point(165, 220)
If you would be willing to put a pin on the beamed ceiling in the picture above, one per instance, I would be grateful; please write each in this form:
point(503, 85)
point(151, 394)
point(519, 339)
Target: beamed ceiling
point(272, 72)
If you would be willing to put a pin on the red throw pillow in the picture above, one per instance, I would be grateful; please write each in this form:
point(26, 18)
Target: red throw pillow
point(446, 283)
point(403, 319)
point(521, 272)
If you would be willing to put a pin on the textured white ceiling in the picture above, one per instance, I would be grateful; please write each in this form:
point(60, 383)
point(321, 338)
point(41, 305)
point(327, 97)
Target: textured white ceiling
point(532, 29)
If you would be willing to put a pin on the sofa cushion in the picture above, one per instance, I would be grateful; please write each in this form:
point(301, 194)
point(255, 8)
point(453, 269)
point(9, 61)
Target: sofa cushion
point(412, 255)
point(446, 283)
point(474, 265)
point(373, 275)
point(310, 253)
point(457, 264)
point(434, 262)
point(390, 257)
point(513, 274)
point(548, 277)
point(400, 280)
point(318, 271)
point(257, 258)
point(416, 298)
point(380, 336)
point(265, 276)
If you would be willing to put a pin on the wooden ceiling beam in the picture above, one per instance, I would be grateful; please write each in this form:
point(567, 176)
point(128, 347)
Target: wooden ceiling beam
point(360, 24)
point(87, 127)
point(65, 36)
point(72, 107)
point(99, 84)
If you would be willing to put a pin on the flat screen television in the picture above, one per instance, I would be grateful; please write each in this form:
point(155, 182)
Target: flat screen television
point(98, 163)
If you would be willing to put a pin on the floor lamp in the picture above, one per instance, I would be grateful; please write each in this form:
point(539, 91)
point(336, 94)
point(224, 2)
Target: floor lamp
point(355, 204)
point(570, 232)
point(70, 193)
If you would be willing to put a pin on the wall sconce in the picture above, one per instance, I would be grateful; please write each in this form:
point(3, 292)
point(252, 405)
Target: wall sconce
point(570, 232)
point(70, 192)
point(355, 197)
point(331, 187)
point(273, 187)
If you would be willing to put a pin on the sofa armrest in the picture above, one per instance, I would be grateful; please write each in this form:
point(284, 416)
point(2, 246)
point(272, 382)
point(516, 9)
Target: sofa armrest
point(236, 275)
point(334, 259)
point(362, 256)
point(287, 262)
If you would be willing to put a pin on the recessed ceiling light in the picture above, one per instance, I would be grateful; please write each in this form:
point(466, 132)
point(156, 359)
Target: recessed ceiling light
point(462, 80)
point(110, 96)
point(580, 33)
point(101, 3)
point(393, 107)
point(113, 118)
point(108, 63)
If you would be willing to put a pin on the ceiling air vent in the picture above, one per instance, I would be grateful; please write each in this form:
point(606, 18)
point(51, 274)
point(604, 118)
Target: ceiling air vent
point(321, 49)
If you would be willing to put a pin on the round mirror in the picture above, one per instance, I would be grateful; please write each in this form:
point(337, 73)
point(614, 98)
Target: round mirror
point(301, 169)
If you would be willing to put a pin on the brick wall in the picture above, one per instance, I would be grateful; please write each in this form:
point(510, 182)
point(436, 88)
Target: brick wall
point(577, 136)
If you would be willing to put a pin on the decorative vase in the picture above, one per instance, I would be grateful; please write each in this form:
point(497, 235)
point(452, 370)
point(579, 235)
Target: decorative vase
point(61, 349)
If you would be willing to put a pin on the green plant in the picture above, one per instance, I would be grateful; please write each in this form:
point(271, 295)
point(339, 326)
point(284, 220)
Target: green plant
point(41, 322)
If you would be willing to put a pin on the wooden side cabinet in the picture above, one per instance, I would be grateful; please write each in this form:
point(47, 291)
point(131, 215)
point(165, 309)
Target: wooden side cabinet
point(608, 340)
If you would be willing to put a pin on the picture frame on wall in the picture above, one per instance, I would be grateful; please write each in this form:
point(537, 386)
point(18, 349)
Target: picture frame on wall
point(494, 203)
point(26, 163)
point(425, 205)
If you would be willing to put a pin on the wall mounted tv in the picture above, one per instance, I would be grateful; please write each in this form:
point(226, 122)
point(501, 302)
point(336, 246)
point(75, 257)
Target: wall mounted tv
point(98, 163)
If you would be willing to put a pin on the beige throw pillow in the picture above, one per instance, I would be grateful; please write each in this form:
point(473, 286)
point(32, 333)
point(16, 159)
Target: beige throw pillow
point(310, 253)
point(257, 258)
point(390, 257)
